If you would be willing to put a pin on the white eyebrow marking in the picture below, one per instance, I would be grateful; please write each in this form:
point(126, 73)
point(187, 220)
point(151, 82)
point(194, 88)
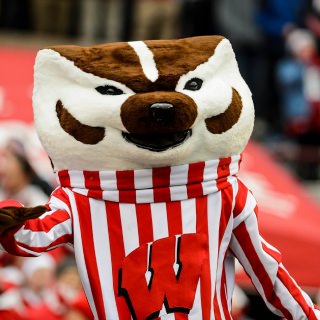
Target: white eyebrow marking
point(146, 59)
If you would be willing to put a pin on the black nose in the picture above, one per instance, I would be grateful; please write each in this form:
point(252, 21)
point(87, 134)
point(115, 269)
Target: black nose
point(162, 112)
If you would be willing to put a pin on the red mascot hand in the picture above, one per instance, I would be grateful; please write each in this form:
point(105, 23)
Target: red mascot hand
point(13, 214)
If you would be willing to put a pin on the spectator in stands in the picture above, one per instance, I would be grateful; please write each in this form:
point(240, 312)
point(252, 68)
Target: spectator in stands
point(35, 298)
point(17, 177)
point(101, 19)
point(79, 309)
point(156, 19)
point(236, 21)
point(276, 19)
point(299, 83)
point(197, 18)
point(240, 304)
point(68, 284)
point(51, 16)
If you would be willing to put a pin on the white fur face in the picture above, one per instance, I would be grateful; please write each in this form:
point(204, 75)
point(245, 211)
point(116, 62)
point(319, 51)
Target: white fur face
point(58, 79)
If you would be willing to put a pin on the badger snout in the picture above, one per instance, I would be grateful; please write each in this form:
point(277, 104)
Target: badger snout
point(162, 113)
point(158, 120)
point(158, 112)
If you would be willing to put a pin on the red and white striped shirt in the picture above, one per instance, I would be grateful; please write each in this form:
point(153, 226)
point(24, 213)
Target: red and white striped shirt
point(161, 243)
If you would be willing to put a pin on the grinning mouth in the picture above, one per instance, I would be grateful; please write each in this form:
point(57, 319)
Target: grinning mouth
point(157, 141)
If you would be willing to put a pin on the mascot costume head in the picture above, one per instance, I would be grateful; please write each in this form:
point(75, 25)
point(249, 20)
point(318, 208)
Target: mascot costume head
point(145, 139)
point(141, 104)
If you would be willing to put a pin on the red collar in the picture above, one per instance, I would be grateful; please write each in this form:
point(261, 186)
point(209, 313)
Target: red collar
point(153, 185)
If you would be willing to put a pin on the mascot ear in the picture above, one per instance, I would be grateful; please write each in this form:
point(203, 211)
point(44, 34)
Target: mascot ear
point(80, 56)
point(226, 67)
point(53, 61)
point(52, 56)
point(204, 42)
point(47, 66)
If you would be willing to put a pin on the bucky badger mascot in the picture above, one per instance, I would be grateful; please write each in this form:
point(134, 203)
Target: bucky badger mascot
point(146, 140)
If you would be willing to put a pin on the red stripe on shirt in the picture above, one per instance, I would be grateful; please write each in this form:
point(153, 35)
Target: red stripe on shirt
point(202, 228)
point(92, 183)
point(60, 194)
point(161, 181)
point(202, 215)
point(64, 178)
point(273, 253)
point(223, 172)
point(117, 254)
point(89, 253)
point(57, 242)
point(227, 201)
point(92, 179)
point(195, 177)
point(174, 218)
point(144, 220)
point(241, 199)
point(224, 294)
point(226, 210)
point(96, 194)
point(216, 308)
point(48, 222)
point(286, 279)
point(242, 235)
point(125, 184)
point(9, 244)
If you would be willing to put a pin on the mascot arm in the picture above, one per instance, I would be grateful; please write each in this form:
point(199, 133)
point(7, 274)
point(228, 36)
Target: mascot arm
point(31, 231)
point(263, 263)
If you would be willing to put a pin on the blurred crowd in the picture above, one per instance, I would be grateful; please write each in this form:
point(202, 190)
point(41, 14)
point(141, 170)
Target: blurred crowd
point(47, 287)
point(277, 44)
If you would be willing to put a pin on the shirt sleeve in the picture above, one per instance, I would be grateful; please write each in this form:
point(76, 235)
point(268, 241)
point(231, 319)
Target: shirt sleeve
point(263, 263)
point(50, 230)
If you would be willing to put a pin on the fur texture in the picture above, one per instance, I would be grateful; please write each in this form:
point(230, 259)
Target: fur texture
point(83, 129)
point(81, 132)
point(225, 121)
point(136, 118)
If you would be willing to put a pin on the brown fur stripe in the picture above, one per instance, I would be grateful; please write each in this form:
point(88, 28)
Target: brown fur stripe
point(119, 62)
point(175, 58)
point(137, 118)
point(81, 132)
point(226, 120)
point(114, 61)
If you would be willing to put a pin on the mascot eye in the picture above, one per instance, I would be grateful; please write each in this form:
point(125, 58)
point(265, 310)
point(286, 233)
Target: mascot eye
point(193, 84)
point(109, 90)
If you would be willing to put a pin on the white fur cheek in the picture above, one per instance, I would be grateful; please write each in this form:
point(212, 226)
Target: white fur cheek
point(212, 99)
point(112, 153)
point(232, 141)
point(44, 107)
point(68, 153)
point(93, 108)
point(64, 150)
point(57, 78)
point(116, 153)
